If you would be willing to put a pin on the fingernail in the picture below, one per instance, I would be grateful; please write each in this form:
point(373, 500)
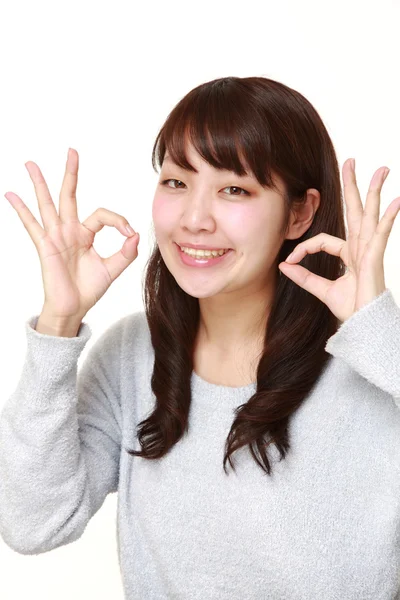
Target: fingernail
point(290, 257)
point(129, 230)
point(353, 164)
point(386, 173)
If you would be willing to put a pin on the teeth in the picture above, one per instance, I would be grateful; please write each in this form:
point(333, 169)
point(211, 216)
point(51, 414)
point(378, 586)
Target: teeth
point(202, 253)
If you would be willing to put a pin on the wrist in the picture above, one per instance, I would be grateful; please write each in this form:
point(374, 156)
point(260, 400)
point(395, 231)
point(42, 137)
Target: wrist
point(56, 326)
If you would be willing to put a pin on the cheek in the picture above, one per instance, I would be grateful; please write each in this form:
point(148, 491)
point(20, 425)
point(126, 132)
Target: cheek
point(163, 217)
point(256, 232)
point(245, 224)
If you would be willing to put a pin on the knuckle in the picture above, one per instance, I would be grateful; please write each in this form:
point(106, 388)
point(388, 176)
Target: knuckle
point(102, 214)
point(105, 211)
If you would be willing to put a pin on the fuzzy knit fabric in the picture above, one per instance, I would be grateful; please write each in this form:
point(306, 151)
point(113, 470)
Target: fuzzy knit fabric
point(325, 525)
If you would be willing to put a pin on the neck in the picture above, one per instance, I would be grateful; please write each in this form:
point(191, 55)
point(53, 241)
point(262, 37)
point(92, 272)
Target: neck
point(230, 324)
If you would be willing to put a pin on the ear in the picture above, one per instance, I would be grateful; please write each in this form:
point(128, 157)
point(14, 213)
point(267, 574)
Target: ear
point(302, 214)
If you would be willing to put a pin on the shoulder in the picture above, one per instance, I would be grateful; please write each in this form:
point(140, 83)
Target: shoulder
point(133, 328)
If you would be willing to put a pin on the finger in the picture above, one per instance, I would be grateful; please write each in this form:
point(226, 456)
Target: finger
point(68, 210)
point(316, 285)
point(47, 209)
point(102, 217)
point(118, 262)
point(381, 235)
point(36, 232)
point(321, 242)
point(354, 209)
point(371, 211)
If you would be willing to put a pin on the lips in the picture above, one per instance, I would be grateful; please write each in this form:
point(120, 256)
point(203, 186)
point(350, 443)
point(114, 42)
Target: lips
point(204, 261)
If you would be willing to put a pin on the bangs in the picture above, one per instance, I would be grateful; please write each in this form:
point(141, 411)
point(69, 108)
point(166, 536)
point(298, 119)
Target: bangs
point(226, 130)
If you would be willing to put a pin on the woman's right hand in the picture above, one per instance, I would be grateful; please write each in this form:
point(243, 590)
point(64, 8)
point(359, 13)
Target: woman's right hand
point(74, 276)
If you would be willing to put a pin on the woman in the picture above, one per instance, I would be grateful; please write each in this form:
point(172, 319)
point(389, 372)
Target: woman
point(295, 368)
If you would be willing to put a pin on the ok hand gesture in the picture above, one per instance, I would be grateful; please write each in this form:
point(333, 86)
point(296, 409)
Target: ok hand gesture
point(362, 253)
point(74, 276)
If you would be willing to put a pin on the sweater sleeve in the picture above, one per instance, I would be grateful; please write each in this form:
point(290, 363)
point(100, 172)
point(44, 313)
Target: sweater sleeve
point(60, 439)
point(369, 342)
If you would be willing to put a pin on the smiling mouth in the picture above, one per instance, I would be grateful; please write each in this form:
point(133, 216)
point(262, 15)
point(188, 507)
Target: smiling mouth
point(201, 260)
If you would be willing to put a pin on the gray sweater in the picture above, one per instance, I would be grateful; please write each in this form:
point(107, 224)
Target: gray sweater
point(325, 526)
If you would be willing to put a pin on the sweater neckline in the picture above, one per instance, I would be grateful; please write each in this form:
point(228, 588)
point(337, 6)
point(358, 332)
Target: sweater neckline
point(208, 392)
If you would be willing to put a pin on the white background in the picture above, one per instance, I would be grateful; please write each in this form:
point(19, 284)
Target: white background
point(102, 77)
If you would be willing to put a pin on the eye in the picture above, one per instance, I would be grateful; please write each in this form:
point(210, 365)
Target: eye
point(166, 181)
point(235, 187)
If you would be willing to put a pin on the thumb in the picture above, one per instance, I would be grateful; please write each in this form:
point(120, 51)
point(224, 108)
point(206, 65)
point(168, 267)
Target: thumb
point(315, 284)
point(118, 262)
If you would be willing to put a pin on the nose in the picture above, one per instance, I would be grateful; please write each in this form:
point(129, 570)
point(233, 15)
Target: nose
point(197, 212)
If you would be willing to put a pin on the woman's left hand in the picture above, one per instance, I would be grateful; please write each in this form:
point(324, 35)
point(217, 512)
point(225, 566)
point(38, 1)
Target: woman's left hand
point(362, 253)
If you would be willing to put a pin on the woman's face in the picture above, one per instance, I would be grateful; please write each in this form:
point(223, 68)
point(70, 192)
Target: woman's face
point(212, 208)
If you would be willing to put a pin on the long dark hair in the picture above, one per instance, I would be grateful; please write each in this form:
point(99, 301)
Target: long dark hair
point(276, 130)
